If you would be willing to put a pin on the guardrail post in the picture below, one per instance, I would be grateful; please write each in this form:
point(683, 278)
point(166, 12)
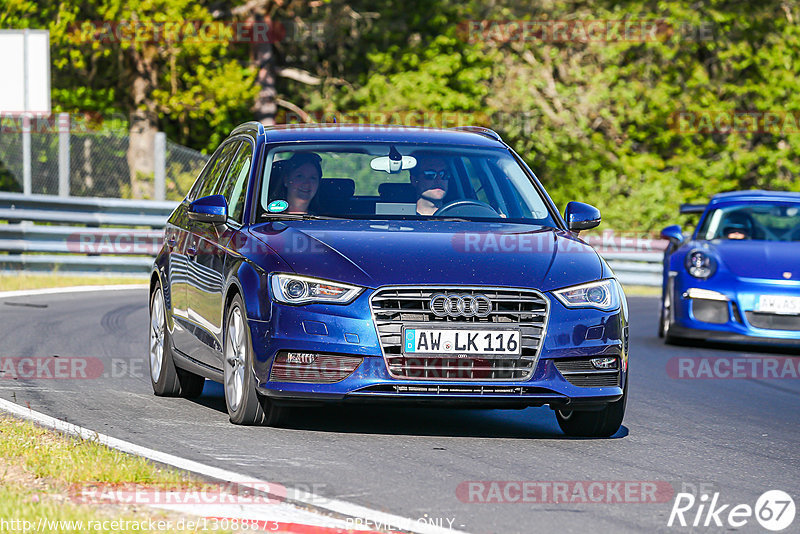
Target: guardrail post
point(160, 164)
point(26, 154)
point(63, 154)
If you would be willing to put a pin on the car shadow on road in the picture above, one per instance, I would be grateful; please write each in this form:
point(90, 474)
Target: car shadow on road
point(395, 420)
point(529, 423)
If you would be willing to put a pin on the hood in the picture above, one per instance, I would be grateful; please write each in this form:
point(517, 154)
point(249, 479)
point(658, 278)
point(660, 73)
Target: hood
point(759, 259)
point(377, 253)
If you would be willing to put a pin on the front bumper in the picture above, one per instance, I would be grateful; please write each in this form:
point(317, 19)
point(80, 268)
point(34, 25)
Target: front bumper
point(735, 301)
point(349, 331)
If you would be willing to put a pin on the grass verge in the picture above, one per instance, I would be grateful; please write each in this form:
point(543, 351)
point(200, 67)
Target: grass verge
point(41, 473)
point(15, 281)
point(641, 291)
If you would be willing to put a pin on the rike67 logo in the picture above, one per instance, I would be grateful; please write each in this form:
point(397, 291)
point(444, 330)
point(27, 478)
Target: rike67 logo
point(774, 510)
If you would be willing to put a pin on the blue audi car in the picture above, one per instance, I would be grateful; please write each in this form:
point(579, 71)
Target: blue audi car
point(334, 263)
point(737, 278)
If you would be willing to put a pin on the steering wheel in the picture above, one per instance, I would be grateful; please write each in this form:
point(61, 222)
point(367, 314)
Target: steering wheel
point(466, 208)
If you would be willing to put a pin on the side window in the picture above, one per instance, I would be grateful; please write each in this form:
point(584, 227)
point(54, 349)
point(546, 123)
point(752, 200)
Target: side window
point(198, 184)
point(234, 187)
point(217, 171)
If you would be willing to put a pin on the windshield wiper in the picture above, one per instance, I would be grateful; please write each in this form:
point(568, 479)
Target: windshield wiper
point(296, 217)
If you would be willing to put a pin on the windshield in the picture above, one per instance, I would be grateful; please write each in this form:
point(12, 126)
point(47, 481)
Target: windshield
point(380, 180)
point(764, 221)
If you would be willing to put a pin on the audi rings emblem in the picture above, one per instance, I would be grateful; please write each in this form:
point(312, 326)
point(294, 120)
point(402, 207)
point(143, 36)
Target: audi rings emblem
point(443, 305)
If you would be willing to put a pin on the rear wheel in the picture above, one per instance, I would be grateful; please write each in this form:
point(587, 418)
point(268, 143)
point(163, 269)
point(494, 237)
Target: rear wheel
point(245, 405)
point(166, 379)
point(598, 424)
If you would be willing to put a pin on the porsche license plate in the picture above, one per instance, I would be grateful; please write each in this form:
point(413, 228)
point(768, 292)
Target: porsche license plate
point(783, 305)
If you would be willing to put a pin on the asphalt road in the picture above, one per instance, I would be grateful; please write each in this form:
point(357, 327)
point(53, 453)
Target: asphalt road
point(736, 436)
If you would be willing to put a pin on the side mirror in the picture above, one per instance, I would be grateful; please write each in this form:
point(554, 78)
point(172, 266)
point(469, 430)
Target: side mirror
point(673, 234)
point(581, 216)
point(211, 209)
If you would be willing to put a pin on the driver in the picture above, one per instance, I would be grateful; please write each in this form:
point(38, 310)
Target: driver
point(430, 179)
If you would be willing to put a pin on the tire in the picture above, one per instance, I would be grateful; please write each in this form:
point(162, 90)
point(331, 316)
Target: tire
point(662, 330)
point(245, 405)
point(665, 322)
point(166, 379)
point(600, 424)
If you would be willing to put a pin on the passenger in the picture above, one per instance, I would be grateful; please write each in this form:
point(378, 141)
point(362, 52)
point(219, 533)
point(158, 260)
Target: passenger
point(298, 182)
point(430, 179)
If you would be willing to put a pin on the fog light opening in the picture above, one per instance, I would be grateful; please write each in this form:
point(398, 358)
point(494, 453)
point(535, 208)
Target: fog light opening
point(313, 368)
point(605, 363)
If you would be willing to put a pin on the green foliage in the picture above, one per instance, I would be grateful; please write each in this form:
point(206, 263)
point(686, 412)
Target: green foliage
point(597, 121)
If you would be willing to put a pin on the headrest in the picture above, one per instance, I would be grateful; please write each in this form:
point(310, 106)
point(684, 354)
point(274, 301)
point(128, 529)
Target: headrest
point(336, 188)
point(397, 192)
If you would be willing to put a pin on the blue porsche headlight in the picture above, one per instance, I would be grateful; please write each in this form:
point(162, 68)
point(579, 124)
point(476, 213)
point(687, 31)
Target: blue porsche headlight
point(294, 289)
point(700, 264)
point(603, 295)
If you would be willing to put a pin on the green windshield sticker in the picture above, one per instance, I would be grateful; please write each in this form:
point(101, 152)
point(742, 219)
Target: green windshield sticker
point(277, 206)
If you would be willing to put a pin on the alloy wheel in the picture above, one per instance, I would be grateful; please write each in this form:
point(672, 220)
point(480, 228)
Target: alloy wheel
point(157, 328)
point(235, 359)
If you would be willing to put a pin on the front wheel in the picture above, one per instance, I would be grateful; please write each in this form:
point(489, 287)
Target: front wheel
point(600, 424)
point(245, 405)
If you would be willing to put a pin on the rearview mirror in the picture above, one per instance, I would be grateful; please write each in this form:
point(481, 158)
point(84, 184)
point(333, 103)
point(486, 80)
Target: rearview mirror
point(673, 233)
point(211, 209)
point(581, 216)
point(393, 166)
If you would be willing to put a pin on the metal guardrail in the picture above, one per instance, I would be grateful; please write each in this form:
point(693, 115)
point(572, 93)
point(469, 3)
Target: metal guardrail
point(95, 235)
point(86, 235)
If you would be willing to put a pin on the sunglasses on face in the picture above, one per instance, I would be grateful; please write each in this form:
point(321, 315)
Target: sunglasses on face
point(436, 175)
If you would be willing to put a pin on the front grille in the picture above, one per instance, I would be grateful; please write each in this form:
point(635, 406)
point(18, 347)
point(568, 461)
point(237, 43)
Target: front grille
point(773, 321)
point(581, 372)
point(396, 307)
point(456, 389)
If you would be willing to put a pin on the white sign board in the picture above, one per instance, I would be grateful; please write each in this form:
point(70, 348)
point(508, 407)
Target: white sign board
point(25, 68)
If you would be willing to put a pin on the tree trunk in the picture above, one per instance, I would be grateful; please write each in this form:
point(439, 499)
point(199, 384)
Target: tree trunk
point(263, 58)
point(143, 124)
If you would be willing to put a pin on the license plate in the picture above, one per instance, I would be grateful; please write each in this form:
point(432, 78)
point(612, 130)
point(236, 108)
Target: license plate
point(460, 341)
point(779, 304)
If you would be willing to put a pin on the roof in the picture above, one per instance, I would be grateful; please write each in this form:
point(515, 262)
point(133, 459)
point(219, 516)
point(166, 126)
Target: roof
point(377, 133)
point(755, 196)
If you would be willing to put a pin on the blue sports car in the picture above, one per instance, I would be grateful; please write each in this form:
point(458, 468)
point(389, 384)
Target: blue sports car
point(738, 277)
point(360, 263)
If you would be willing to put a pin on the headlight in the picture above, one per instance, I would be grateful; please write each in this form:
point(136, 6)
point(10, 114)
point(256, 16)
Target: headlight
point(603, 295)
point(700, 264)
point(294, 289)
